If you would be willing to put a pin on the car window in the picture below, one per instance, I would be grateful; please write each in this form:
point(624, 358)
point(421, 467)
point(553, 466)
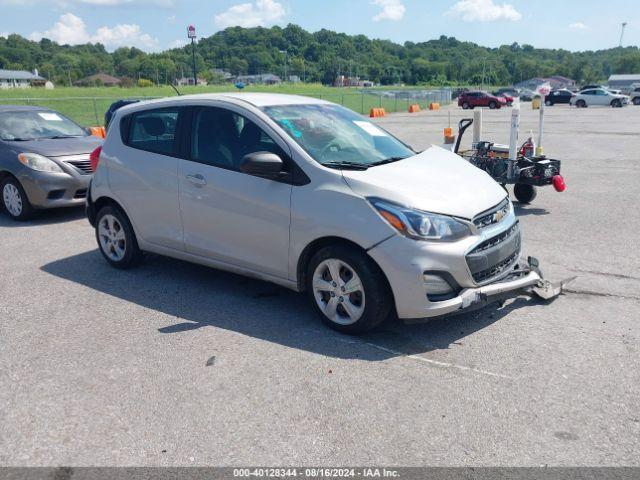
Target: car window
point(588, 92)
point(222, 138)
point(600, 92)
point(154, 131)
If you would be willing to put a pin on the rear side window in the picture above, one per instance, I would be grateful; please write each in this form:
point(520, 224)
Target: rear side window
point(154, 131)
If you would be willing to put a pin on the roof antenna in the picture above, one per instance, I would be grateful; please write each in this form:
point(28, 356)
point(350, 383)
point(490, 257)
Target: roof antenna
point(174, 87)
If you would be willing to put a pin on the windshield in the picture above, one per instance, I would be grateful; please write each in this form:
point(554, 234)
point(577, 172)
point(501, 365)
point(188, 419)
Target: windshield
point(335, 135)
point(34, 125)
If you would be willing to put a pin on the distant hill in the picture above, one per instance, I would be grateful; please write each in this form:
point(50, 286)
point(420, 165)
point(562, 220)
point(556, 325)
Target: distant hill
point(319, 57)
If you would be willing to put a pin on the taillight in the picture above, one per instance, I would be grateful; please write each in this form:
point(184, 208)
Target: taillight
point(94, 158)
point(559, 184)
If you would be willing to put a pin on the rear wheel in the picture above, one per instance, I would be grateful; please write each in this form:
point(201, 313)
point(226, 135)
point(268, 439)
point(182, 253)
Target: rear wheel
point(15, 201)
point(616, 103)
point(581, 104)
point(548, 103)
point(636, 101)
point(116, 239)
point(493, 105)
point(348, 289)
point(525, 193)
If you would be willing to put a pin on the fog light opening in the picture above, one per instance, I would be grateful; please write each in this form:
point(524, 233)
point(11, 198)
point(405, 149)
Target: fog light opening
point(436, 285)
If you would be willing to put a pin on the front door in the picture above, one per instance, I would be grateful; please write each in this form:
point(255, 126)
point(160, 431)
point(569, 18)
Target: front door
point(228, 215)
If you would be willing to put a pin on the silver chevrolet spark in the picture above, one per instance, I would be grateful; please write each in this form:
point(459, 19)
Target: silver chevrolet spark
point(309, 195)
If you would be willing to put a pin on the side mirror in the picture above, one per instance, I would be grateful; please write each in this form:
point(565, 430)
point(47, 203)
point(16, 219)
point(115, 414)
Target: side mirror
point(263, 164)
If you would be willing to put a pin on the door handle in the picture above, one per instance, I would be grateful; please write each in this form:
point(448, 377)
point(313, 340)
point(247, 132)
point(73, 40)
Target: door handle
point(197, 179)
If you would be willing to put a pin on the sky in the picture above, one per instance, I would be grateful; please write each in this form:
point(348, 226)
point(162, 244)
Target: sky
point(155, 25)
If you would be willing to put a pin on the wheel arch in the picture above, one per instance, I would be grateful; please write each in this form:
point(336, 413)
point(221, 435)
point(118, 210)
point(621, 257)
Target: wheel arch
point(315, 246)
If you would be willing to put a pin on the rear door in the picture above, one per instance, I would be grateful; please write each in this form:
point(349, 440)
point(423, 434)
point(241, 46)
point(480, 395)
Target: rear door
point(228, 215)
point(144, 175)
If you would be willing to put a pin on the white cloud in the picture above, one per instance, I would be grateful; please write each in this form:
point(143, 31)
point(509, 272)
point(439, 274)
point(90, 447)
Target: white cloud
point(578, 26)
point(391, 10)
point(259, 13)
point(484, 11)
point(71, 29)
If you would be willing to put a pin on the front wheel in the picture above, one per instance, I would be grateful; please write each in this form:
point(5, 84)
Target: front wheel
point(548, 103)
point(525, 193)
point(348, 289)
point(636, 101)
point(581, 104)
point(493, 105)
point(465, 105)
point(616, 104)
point(116, 239)
point(15, 201)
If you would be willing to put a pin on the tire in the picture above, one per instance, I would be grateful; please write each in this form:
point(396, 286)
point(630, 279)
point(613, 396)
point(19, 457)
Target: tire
point(351, 313)
point(493, 105)
point(14, 200)
point(636, 101)
point(465, 105)
point(616, 104)
point(525, 193)
point(548, 103)
point(581, 104)
point(116, 239)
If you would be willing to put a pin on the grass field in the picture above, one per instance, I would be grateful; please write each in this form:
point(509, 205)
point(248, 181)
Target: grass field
point(87, 105)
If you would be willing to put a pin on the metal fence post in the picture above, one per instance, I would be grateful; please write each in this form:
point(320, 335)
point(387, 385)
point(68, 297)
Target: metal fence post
point(95, 110)
point(380, 97)
point(362, 98)
point(395, 104)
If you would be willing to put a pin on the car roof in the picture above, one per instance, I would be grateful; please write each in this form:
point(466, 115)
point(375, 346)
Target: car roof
point(253, 98)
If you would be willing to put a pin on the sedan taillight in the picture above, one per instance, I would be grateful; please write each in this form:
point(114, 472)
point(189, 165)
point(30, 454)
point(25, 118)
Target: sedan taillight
point(94, 158)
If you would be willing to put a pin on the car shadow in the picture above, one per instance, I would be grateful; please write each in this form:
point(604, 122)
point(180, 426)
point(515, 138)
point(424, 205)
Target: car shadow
point(522, 210)
point(45, 217)
point(198, 297)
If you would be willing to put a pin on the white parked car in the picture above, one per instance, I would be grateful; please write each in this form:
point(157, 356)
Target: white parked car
point(599, 96)
point(635, 96)
point(309, 195)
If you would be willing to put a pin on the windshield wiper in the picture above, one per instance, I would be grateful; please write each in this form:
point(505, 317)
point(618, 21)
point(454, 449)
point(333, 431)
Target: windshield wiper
point(58, 137)
point(346, 165)
point(387, 160)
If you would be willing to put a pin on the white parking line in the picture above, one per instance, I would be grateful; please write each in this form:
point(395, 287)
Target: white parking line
point(427, 360)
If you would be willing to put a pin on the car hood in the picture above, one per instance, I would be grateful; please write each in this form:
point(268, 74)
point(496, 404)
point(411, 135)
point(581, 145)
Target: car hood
point(436, 180)
point(59, 147)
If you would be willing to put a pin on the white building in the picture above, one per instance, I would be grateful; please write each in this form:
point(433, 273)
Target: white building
point(19, 79)
point(624, 82)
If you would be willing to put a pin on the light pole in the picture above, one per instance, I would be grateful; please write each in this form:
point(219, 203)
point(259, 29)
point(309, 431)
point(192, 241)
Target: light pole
point(284, 52)
point(191, 33)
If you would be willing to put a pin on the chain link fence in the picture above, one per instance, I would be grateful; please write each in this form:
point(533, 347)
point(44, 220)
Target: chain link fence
point(89, 111)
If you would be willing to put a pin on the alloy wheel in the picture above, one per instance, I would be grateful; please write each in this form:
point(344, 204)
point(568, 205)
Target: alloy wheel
point(113, 241)
point(12, 199)
point(339, 292)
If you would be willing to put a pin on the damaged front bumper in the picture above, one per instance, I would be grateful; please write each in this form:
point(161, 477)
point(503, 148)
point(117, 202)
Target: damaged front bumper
point(526, 279)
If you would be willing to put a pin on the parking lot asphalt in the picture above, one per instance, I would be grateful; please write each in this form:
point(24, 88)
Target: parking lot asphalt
point(177, 364)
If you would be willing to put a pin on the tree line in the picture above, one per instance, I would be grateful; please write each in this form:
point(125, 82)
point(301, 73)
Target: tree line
point(319, 57)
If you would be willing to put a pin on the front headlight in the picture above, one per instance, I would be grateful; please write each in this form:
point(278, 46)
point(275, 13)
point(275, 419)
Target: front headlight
point(40, 163)
point(421, 225)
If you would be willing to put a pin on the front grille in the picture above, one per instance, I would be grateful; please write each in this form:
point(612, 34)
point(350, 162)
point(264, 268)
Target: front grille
point(495, 256)
point(496, 270)
point(493, 215)
point(83, 165)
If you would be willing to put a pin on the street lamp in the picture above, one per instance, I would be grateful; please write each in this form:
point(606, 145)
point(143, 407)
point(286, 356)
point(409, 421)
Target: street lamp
point(191, 33)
